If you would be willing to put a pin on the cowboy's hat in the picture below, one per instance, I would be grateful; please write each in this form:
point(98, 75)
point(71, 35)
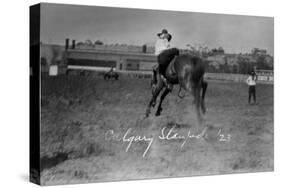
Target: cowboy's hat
point(164, 31)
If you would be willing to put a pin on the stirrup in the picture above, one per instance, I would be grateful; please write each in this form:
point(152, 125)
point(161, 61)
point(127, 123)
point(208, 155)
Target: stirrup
point(169, 86)
point(163, 78)
point(167, 83)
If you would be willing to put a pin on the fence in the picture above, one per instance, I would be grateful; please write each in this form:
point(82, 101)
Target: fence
point(267, 79)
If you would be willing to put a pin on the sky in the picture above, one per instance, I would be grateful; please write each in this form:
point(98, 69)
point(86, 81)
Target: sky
point(236, 34)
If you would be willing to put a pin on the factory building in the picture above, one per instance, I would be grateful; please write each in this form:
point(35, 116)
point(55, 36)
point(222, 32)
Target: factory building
point(104, 57)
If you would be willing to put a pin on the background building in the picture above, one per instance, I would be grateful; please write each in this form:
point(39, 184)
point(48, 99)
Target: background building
point(98, 56)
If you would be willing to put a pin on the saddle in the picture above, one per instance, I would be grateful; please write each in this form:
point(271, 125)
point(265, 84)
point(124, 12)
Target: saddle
point(170, 67)
point(170, 71)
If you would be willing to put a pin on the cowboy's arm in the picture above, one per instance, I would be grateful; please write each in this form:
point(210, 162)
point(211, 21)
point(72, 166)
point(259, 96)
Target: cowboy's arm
point(248, 80)
point(167, 43)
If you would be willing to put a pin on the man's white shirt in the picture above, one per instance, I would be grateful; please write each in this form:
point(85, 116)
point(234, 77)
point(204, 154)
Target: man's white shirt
point(250, 81)
point(161, 45)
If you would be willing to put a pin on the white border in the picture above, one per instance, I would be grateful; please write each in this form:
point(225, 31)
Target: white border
point(14, 84)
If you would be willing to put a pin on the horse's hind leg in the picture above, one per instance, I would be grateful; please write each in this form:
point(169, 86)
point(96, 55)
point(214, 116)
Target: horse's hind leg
point(204, 89)
point(152, 102)
point(197, 101)
point(164, 94)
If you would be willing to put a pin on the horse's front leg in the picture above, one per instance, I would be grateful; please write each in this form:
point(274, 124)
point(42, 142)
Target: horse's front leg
point(164, 94)
point(204, 89)
point(155, 93)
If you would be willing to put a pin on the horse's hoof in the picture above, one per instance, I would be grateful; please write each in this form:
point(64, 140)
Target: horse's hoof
point(147, 113)
point(158, 112)
point(204, 110)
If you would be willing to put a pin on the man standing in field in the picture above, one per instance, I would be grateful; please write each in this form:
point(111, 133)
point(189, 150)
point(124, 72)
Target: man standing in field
point(251, 81)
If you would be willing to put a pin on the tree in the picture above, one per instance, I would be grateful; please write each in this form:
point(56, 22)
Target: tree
point(261, 63)
point(234, 68)
point(88, 42)
point(226, 68)
point(80, 44)
point(245, 66)
point(214, 50)
point(98, 42)
point(220, 50)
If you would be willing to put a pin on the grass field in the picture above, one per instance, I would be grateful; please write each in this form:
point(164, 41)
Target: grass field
point(83, 119)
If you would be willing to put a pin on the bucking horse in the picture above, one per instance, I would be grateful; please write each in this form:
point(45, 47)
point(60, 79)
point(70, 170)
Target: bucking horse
point(186, 70)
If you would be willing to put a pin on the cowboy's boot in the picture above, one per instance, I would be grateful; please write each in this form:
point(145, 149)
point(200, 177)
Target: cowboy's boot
point(169, 86)
point(164, 80)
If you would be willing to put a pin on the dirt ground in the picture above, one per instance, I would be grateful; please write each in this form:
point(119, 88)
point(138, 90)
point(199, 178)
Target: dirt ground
point(94, 130)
